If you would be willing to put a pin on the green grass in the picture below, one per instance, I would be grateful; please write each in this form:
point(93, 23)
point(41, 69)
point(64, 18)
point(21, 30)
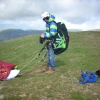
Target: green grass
point(83, 53)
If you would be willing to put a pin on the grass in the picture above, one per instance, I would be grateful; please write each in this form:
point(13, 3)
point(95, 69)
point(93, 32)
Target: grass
point(83, 53)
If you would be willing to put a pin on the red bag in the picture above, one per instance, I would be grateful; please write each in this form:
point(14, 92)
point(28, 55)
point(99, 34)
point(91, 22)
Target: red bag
point(5, 69)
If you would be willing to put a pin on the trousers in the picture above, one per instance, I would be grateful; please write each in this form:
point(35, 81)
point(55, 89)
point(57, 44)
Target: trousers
point(51, 56)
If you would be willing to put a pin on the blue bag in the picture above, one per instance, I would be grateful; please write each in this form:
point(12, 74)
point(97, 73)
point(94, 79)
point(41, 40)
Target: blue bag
point(87, 77)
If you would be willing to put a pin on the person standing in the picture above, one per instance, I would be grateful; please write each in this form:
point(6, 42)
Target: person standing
point(51, 30)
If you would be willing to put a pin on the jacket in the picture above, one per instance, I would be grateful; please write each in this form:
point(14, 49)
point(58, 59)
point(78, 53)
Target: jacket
point(51, 28)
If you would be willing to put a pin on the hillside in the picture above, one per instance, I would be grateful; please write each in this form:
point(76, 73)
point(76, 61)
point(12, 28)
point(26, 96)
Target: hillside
point(83, 53)
point(95, 30)
point(16, 33)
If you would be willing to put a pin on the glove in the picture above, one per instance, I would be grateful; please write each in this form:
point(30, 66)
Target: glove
point(41, 40)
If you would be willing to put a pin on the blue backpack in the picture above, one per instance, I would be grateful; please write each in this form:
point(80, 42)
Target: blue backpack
point(87, 77)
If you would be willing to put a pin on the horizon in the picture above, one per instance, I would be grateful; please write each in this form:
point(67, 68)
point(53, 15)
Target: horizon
point(44, 30)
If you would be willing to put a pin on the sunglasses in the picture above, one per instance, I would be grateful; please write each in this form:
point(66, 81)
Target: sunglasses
point(44, 19)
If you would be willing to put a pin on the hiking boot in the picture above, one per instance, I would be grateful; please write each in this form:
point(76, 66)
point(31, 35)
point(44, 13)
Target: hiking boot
point(49, 71)
point(46, 69)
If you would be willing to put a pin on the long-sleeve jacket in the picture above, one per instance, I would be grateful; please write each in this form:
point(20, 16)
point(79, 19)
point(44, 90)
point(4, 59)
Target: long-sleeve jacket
point(51, 28)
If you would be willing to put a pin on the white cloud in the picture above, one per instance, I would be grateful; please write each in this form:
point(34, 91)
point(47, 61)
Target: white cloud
point(77, 14)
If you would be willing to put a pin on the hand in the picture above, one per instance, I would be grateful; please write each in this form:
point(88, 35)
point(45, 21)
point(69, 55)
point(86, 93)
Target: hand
point(42, 36)
point(41, 40)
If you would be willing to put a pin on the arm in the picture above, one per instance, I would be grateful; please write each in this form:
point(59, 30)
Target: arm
point(50, 30)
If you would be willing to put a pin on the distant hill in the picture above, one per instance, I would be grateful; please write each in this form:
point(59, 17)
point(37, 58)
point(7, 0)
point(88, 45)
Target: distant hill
point(74, 30)
point(95, 30)
point(16, 33)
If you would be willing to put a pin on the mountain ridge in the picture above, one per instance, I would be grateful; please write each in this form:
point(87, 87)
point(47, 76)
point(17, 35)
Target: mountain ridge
point(8, 34)
point(16, 33)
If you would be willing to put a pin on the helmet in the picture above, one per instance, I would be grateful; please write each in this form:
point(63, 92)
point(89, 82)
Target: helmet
point(45, 15)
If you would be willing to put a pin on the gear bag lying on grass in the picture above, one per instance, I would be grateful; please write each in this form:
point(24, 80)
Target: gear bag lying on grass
point(87, 77)
point(61, 39)
point(8, 70)
point(97, 73)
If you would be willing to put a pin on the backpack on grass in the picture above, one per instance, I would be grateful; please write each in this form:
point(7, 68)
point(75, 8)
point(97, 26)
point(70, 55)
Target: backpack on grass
point(87, 77)
point(97, 73)
point(61, 39)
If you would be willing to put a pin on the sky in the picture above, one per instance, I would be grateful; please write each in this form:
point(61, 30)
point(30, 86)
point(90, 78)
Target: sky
point(26, 14)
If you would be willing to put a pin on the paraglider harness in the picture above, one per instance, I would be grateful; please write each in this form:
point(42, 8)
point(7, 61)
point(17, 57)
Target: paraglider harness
point(61, 40)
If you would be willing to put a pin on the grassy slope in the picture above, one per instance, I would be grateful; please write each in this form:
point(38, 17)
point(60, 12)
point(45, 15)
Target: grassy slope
point(83, 54)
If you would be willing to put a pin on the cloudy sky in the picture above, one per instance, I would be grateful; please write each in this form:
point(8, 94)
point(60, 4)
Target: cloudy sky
point(26, 14)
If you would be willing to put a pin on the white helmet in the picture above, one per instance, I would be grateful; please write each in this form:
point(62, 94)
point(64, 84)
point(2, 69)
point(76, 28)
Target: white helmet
point(45, 14)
